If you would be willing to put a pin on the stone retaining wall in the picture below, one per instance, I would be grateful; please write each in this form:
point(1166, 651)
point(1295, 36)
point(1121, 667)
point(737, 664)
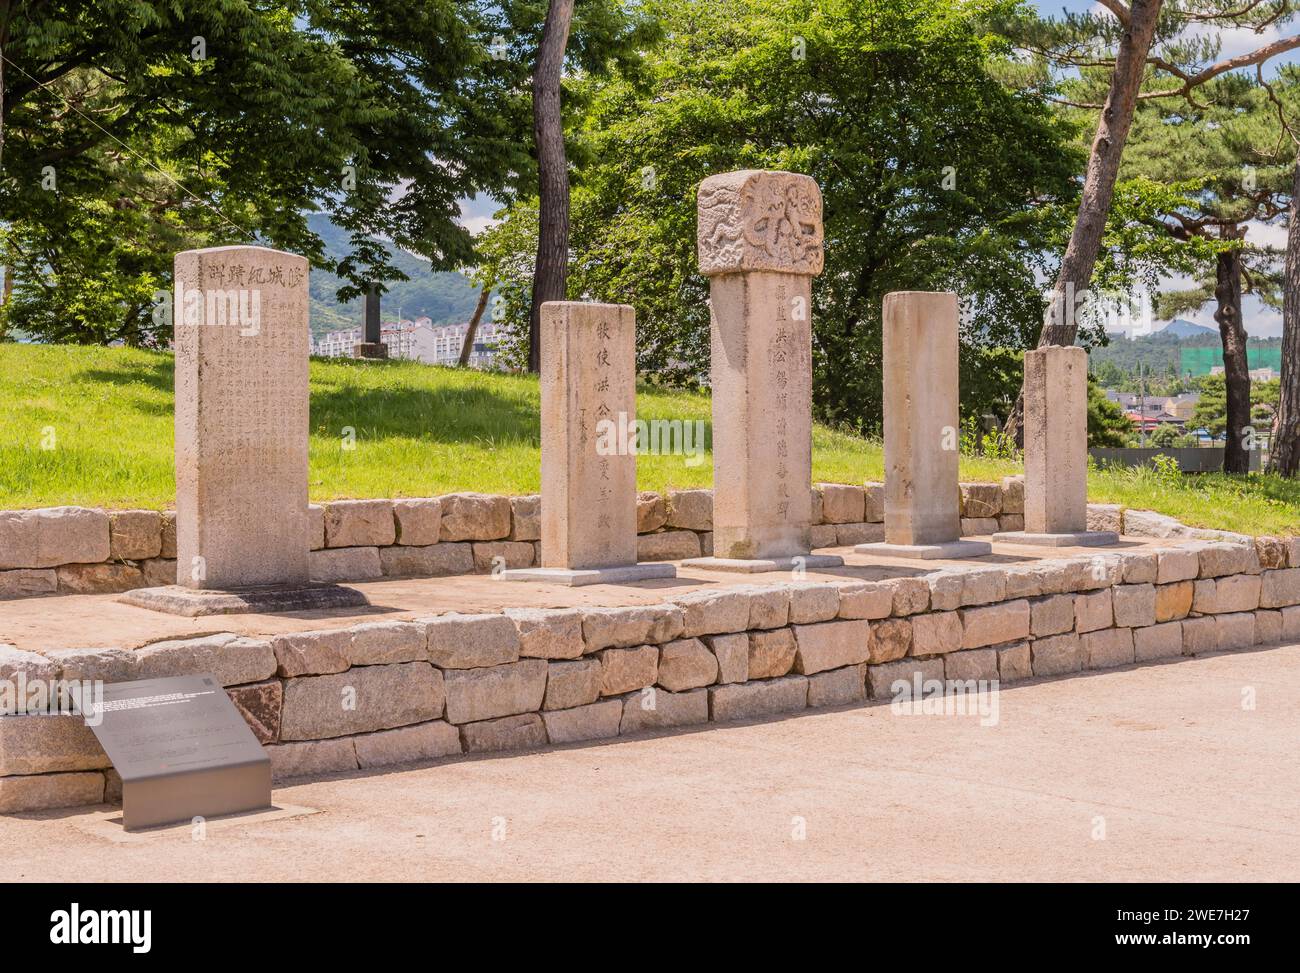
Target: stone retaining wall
point(460, 684)
point(77, 550)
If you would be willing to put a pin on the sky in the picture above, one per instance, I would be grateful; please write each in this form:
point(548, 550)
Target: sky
point(476, 214)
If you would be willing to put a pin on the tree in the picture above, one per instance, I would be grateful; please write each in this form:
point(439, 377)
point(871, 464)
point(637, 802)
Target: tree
point(1145, 52)
point(1108, 426)
point(552, 174)
point(934, 173)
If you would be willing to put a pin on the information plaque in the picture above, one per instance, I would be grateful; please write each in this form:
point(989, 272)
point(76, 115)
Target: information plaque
point(182, 750)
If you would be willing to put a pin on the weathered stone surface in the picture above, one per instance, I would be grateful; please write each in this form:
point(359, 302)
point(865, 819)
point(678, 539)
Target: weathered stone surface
point(596, 721)
point(1011, 522)
point(51, 536)
point(359, 523)
point(169, 534)
point(485, 694)
point(1024, 582)
point(976, 664)
point(1014, 662)
point(98, 578)
point(459, 641)
point(417, 520)
point(158, 572)
point(981, 500)
point(911, 595)
point(866, 599)
point(261, 705)
point(838, 687)
point(1134, 605)
point(1291, 624)
point(1176, 564)
point(1146, 523)
point(668, 545)
point(134, 535)
point(751, 700)
point(690, 509)
point(1173, 601)
point(1013, 495)
point(229, 659)
point(526, 518)
point(474, 517)
point(657, 709)
point(706, 543)
point(873, 495)
point(891, 638)
point(635, 625)
point(979, 526)
point(312, 653)
point(732, 653)
point(1233, 593)
point(823, 535)
point(1158, 641)
point(831, 645)
point(41, 791)
point(1280, 588)
point(1268, 626)
point(848, 535)
point(48, 744)
point(1235, 630)
point(811, 603)
point(107, 664)
point(771, 653)
point(523, 732)
point(1057, 655)
point(346, 564)
point(407, 744)
point(25, 582)
point(945, 589)
point(1199, 635)
point(883, 680)
point(1051, 615)
point(1292, 552)
point(686, 664)
point(572, 683)
point(362, 699)
point(433, 561)
point(983, 586)
point(381, 643)
point(312, 757)
point(714, 611)
point(935, 633)
point(624, 670)
point(842, 503)
point(1140, 567)
point(1219, 559)
point(991, 624)
point(1094, 611)
point(548, 633)
point(770, 605)
point(1056, 439)
point(1106, 516)
point(1107, 647)
point(31, 665)
point(315, 529)
point(651, 512)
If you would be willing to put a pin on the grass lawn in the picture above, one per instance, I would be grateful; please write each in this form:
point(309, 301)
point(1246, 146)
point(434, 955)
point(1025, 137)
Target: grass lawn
point(93, 426)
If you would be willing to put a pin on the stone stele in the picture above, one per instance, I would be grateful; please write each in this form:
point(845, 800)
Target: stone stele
point(241, 343)
point(760, 238)
point(588, 516)
point(1056, 452)
point(922, 495)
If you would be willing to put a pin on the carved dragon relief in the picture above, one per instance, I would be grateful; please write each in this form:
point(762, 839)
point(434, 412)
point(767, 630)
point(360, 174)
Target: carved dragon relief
point(758, 220)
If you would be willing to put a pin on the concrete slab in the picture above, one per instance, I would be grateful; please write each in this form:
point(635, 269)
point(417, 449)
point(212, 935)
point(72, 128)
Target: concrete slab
point(1142, 774)
point(197, 602)
point(948, 550)
point(578, 577)
point(1084, 538)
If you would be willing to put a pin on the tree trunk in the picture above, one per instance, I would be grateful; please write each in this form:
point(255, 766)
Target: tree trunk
point(1236, 371)
point(1059, 324)
point(552, 172)
point(1284, 455)
point(472, 330)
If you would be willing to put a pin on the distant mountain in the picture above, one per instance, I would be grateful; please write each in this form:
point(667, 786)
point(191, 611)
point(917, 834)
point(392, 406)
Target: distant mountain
point(445, 296)
point(1182, 328)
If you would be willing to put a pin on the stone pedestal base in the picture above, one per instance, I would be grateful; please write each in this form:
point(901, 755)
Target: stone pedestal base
point(370, 349)
point(759, 565)
point(1083, 538)
point(578, 577)
point(196, 602)
point(949, 550)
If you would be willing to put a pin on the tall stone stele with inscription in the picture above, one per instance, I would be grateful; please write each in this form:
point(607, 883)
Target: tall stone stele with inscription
point(1056, 452)
point(760, 244)
point(241, 340)
point(922, 437)
point(588, 529)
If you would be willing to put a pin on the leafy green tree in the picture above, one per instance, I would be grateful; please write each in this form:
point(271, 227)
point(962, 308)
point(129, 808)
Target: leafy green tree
point(932, 171)
point(1108, 426)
